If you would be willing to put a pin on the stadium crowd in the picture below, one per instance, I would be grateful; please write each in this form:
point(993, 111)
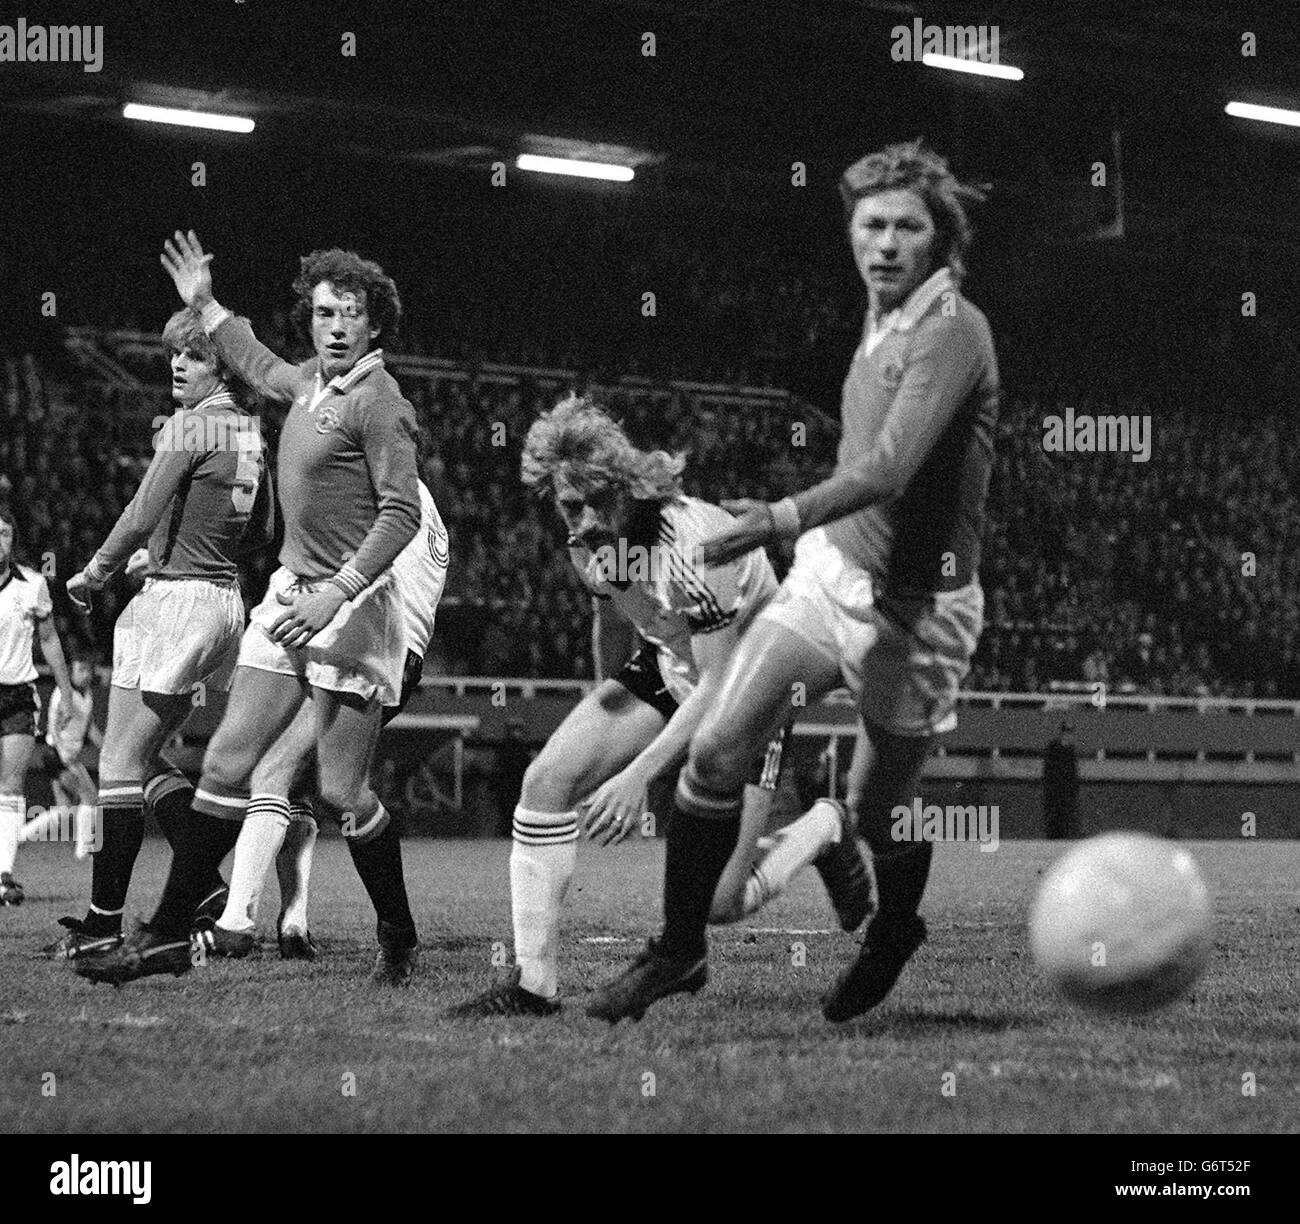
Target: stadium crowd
point(1180, 575)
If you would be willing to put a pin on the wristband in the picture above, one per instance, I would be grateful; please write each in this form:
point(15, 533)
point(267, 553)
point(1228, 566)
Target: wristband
point(213, 315)
point(350, 582)
point(94, 574)
point(785, 517)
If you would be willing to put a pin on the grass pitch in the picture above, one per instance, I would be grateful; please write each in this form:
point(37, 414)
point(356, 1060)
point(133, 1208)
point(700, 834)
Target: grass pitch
point(971, 1040)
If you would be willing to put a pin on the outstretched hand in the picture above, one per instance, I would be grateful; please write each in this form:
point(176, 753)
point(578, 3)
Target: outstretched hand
point(187, 265)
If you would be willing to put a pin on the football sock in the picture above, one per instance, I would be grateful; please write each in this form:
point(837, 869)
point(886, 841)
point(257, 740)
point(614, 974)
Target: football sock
point(702, 834)
point(12, 811)
point(169, 797)
point(542, 862)
point(260, 839)
point(293, 866)
point(377, 855)
point(122, 824)
point(202, 842)
point(901, 875)
point(789, 851)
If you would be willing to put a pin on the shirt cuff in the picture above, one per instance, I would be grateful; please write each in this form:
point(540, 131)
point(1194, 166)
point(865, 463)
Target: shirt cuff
point(214, 314)
point(352, 582)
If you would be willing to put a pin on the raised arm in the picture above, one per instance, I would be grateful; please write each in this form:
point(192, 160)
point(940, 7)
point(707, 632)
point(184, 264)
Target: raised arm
point(257, 365)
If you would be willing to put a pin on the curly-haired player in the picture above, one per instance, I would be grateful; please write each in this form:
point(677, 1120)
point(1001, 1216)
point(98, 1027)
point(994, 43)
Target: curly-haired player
point(633, 535)
point(329, 630)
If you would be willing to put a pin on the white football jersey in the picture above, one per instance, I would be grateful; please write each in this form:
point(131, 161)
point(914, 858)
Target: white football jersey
point(69, 742)
point(24, 599)
point(421, 573)
point(670, 596)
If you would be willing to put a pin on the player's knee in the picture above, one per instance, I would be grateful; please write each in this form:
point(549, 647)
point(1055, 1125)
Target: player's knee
point(227, 765)
point(337, 799)
point(715, 762)
point(548, 785)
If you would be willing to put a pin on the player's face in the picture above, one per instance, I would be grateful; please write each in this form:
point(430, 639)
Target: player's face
point(340, 329)
point(893, 238)
point(6, 542)
point(595, 518)
point(192, 378)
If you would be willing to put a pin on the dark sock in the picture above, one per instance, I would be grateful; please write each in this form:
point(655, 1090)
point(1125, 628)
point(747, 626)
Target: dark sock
point(378, 861)
point(111, 867)
point(698, 850)
point(202, 841)
point(901, 876)
point(171, 811)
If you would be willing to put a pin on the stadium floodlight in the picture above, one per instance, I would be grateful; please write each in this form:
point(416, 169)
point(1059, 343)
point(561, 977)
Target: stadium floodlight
point(952, 62)
point(575, 167)
point(1264, 114)
point(187, 118)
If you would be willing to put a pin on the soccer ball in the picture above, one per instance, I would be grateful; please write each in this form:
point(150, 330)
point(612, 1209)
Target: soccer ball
point(1122, 923)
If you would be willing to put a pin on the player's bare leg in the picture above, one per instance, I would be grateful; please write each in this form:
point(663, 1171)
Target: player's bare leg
point(347, 730)
point(607, 730)
point(15, 755)
point(770, 668)
point(886, 773)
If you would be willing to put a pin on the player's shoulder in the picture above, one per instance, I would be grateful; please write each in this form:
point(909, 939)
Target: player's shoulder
point(26, 574)
point(31, 585)
point(953, 318)
point(688, 521)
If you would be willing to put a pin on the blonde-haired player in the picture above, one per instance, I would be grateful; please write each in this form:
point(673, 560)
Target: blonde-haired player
point(633, 536)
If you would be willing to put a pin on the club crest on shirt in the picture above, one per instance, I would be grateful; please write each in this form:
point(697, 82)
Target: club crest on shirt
point(327, 418)
point(891, 373)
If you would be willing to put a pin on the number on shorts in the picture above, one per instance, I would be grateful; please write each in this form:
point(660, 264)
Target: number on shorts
point(248, 470)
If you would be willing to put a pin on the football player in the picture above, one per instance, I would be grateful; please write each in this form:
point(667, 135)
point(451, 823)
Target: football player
point(633, 536)
point(329, 629)
point(204, 503)
point(70, 780)
point(284, 831)
point(26, 612)
point(884, 593)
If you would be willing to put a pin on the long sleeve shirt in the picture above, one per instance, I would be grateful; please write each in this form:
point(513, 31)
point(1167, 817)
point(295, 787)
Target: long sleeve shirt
point(918, 412)
point(347, 474)
point(205, 500)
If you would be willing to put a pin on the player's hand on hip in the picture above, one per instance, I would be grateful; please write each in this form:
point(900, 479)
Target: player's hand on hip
point(753, 528)
point(615, 809)
point(138, 563)
point(309, 613)
point(187, 265)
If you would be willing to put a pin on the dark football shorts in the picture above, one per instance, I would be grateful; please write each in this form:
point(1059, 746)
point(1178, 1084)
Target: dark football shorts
point(411, 673)
point(642, 678)
point(18, 709)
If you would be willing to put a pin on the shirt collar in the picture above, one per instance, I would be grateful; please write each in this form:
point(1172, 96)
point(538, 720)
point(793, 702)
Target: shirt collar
point(218, 399)
point(373, 360)
point(906, 316)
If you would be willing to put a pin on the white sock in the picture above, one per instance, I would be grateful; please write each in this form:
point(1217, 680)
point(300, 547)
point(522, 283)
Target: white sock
point(541, 865)
point(293, 866)
point(792, 849)
point(265, 823)
point(12, 812)
point(90, 832)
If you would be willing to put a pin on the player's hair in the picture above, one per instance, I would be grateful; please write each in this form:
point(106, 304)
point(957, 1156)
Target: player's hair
point(910, 166)
point(580, 441)
point(7, 516)
point(185, 331)
point(349, 273)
